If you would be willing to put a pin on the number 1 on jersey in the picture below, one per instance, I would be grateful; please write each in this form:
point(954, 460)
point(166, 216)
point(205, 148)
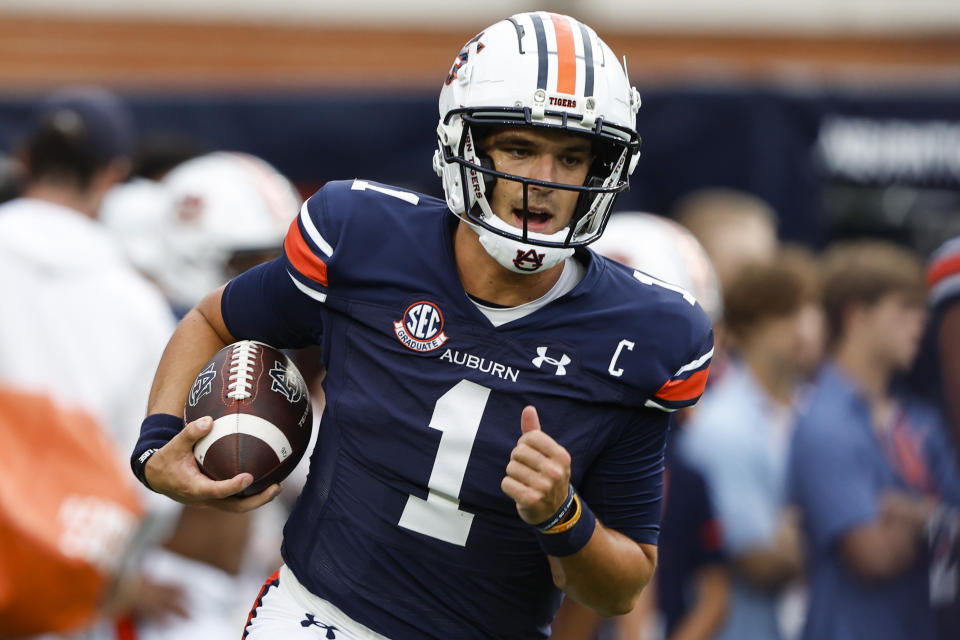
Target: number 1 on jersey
point(457, 415)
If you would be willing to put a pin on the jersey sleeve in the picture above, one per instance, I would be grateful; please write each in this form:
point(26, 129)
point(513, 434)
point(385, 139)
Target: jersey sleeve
point(691, 357)
point(264, 304)
point(308, 248)
point(943, 274)
point(624, 486)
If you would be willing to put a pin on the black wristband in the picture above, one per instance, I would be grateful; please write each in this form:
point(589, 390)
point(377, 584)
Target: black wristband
point(156, 430)
point(567, 539)
point(560, 514)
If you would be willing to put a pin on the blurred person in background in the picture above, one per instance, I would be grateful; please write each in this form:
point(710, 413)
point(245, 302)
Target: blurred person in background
point(943, 283)
point(871, 470)
point(65, 339)
point(161, 150)
point(735, 228)
point(11, 177)
point(199, 224)
point(936, 378)
point(738, 437)
point(206, 220)
point(137, 211)
point(230, 212)
point(692, 584)
point(450, 329)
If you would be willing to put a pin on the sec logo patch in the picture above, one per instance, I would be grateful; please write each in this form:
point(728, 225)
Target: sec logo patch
point(421, 328)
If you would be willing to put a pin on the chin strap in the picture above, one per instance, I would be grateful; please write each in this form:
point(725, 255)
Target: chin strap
point(518, 256)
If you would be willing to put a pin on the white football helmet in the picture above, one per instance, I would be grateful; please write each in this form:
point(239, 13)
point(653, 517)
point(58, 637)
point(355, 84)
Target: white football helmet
point(135, 212)
point(225, 207)
point(542, 70)
point(665, 250)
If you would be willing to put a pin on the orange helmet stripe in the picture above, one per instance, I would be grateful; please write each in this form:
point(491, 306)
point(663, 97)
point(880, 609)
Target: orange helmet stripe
point(566, 55)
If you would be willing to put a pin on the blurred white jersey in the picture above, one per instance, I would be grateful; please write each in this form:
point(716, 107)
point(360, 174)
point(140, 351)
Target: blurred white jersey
point(81, 327)
point(78, 321)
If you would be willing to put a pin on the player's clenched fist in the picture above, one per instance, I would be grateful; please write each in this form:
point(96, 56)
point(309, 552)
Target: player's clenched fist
point(538, 474)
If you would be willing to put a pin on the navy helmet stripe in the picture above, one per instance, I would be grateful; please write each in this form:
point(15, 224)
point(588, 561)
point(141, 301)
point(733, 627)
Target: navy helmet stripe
point(520, 33)
point(587, 60)
point(541, 50)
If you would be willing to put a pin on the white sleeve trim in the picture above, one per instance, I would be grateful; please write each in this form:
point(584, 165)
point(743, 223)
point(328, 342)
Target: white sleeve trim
point(696, 364)
point(312, 231)
point(650, 404)
point(316, 295)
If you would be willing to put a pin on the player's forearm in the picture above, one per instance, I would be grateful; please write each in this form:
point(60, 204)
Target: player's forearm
point(199, 335)
point(608, 574)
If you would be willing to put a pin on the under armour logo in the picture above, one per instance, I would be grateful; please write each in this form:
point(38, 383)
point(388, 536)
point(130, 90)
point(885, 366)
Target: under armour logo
point(310, 621)
point(560, 364)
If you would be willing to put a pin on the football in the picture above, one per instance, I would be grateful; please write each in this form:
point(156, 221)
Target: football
point(261, 410)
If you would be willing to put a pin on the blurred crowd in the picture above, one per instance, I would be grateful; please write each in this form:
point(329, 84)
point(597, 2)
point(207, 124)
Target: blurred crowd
point(813, 493)
point(106, 242)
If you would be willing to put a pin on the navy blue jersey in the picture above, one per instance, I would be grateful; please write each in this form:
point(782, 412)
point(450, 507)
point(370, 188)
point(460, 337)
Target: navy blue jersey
point(402, 523)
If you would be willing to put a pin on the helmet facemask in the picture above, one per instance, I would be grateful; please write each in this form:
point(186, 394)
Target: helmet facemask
point(606, 178)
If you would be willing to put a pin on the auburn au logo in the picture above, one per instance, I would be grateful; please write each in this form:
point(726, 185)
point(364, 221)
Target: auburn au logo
point(422, 327)
point(202, 385)
point(528, 260)
point(286, 383)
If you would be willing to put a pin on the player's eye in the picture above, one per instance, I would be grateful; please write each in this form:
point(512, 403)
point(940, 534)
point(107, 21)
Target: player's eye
point(572, 160)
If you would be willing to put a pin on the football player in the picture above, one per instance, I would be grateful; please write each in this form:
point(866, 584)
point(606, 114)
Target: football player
point(498, 395)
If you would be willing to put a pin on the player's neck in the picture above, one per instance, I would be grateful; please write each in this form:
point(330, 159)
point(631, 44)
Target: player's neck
point(484, 278)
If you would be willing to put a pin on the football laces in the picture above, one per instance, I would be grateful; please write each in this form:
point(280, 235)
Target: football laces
point(240, 386)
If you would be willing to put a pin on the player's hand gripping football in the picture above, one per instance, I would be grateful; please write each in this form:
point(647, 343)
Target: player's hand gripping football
point(173, 471)
point(538, 474)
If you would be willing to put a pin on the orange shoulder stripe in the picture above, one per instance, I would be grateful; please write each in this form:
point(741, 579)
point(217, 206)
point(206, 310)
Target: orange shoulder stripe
point(303, 259)
point(681, 390)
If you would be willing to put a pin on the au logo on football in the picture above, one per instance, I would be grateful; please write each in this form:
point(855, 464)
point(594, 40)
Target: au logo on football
point(421, 328)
